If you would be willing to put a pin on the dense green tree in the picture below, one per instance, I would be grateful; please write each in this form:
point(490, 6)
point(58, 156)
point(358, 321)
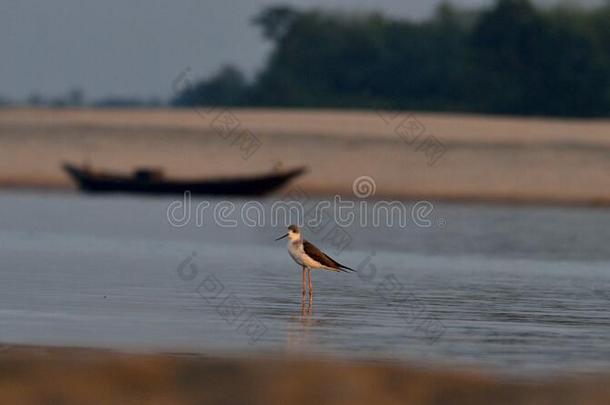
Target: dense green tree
point(227, 87)
point(530, 63)
point(509, 58)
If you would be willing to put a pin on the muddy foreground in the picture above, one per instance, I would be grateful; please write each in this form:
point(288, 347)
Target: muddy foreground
point(32, 375)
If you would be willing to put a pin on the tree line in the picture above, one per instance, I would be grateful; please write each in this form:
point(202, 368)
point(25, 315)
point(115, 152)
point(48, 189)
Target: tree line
point(509, 58)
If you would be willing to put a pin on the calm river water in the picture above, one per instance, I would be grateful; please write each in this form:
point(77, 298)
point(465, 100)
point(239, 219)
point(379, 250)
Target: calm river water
point(511, 289)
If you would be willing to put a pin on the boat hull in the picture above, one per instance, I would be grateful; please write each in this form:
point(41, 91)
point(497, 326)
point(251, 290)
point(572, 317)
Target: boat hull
point(246, 186)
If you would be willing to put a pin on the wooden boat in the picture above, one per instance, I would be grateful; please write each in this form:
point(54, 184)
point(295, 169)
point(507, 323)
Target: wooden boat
point(151, 181)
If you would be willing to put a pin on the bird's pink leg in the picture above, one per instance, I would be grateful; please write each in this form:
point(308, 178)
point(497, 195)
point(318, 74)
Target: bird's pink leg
point(310, 283)
point(303, 291)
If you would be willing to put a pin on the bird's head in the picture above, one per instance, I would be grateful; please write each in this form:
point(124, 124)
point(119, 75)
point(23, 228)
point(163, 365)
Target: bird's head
point(294, 233)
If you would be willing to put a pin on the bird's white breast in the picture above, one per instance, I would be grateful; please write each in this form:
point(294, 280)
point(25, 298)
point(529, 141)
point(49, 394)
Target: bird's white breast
point(295, 249)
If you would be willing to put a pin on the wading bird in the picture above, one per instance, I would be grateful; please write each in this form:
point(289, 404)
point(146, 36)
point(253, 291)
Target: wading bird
point(309, 256)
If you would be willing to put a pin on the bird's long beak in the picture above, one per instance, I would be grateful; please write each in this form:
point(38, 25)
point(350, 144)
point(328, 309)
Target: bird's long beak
point(282, 237)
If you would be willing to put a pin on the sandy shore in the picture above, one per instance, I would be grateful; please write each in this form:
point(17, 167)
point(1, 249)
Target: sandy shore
point(483, 158)
point(33, 375)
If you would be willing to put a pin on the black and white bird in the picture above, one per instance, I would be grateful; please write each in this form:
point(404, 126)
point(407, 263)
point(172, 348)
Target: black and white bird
point(309, 256)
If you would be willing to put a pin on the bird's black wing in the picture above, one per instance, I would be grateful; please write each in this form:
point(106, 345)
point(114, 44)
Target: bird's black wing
point(323, 258)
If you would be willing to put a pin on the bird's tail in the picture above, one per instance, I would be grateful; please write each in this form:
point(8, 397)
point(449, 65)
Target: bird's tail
point(346, 269)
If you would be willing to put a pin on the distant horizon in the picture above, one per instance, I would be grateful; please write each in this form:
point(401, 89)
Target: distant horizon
point(127, 51)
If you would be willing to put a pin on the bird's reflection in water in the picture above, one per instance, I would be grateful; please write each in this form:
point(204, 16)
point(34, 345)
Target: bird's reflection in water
point(299, 338)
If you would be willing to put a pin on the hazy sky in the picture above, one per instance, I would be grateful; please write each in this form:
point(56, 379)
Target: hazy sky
point(136, 47)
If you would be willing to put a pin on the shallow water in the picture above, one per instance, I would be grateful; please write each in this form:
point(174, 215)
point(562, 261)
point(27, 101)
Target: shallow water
point(512, 289)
